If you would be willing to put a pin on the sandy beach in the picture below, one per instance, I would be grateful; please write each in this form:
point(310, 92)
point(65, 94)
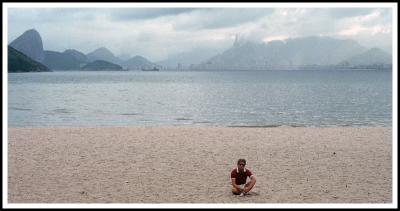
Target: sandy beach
point(188, 164)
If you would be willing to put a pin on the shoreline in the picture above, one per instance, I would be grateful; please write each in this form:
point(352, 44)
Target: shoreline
point(199, 126)
point(192, 164)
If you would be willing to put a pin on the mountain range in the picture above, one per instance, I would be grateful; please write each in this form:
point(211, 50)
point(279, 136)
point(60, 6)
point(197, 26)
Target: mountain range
point(373, 56)
point(79, 56)
point(30, 43)
point(60, 61)
point(188, 59)
point(294, 53)
point(103, 53)
point(139, 62)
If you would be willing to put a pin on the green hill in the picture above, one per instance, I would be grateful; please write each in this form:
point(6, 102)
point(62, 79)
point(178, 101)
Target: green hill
point(19, 62)
point(101, 65)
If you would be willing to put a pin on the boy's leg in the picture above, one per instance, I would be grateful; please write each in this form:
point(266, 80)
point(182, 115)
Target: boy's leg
point(235, 191)
point(249, 186)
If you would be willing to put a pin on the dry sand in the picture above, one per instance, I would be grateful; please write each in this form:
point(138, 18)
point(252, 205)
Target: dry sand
point(143, 164)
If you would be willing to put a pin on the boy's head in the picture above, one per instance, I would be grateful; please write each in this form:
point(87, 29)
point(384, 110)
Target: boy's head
point(241, 163)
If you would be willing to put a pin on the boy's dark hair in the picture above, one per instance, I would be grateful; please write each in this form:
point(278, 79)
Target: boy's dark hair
point(241, 160)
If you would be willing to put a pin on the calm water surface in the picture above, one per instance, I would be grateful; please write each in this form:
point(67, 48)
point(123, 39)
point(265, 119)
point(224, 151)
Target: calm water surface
point(355, 98)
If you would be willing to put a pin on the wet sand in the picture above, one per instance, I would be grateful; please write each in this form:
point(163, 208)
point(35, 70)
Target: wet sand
point(184, 164)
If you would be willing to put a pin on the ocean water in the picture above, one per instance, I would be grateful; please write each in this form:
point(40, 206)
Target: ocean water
point(356, 98)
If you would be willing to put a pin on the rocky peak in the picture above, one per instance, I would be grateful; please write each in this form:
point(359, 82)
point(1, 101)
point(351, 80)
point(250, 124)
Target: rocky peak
point(30, 43)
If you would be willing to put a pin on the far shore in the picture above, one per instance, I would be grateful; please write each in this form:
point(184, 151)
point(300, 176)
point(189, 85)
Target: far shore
point(190, 164)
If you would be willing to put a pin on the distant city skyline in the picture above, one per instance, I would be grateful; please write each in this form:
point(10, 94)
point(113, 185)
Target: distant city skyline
point(157, 33)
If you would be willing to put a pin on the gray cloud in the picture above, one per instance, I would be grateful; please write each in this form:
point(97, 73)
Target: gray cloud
point(214, 18)
point(128, 14)
point(348, 12)
point(52, 14)
point(158, 32)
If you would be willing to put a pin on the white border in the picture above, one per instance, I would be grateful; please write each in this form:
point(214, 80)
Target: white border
point(201, 5)
point(199, 205)
point(393, 6)
point(394, 105)
point(5, 107)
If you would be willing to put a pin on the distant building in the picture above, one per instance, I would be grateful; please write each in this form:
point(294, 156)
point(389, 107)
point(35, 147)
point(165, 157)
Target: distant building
point(179, 67)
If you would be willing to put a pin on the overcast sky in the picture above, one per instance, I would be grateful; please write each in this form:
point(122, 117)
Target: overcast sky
point(156, 33)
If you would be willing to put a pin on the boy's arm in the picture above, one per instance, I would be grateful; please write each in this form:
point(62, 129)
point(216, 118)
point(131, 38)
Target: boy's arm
point(234, 184)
